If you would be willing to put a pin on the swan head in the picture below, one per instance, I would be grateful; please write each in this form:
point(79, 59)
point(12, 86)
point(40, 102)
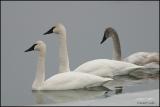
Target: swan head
point(58, 29)
point(38, 46)
point(108, 33)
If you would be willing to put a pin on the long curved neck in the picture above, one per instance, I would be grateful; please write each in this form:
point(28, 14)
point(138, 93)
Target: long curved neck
point(40, 74)
point(117, 47)
point(63, 54)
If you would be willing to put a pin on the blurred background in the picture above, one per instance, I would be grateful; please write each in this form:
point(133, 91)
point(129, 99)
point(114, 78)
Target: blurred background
point(24, 22)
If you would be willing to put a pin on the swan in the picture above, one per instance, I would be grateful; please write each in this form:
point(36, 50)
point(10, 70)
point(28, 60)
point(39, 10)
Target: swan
point(99, 67)
point(146, 59)
point(61, 81)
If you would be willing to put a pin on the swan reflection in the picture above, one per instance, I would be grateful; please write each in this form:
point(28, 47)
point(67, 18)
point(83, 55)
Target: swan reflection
point(119, 85)
point(112, 87)
point(43, 97)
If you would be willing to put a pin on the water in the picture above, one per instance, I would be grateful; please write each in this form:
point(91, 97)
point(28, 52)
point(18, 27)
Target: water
point(120, 85)
point(23, 23)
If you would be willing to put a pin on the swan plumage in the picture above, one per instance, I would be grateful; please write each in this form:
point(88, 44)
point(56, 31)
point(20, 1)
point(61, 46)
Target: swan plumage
point(143, 58)
point(107, 68)
point(99, 67)
point(146, 59)
point(73, 80)
point(61, 81)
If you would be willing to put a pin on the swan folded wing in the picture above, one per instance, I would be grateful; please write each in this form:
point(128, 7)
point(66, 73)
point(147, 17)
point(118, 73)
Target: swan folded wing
point(137, 58)
point(124, 68)
point(106, 67)
point(71, 80)
point(60, 81)
point(97, 67)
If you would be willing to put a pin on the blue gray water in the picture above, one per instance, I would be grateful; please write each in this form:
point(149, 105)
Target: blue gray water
point(120, 85)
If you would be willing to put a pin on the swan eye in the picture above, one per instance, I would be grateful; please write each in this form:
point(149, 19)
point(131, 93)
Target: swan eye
point(31, 48)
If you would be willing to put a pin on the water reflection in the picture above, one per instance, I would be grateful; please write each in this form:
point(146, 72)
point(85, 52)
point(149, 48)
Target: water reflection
point(43, 97)
point(120, 84)
point(118, 90)
point(145, 73)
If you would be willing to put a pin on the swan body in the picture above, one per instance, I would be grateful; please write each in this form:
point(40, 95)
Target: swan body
point(61, 81)
point(143, 58)
point(73, 80)
point(146, 59)
point(107, 68)
point(99, 67)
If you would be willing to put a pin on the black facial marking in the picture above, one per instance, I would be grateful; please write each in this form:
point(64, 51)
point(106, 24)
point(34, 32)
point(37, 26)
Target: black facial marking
point(106, 35)
point(104, 38)
point(31, 48)
point(49, 31)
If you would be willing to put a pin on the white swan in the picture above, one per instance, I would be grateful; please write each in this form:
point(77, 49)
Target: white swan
point(99, 67)
point(61, 81)
point(146, 59)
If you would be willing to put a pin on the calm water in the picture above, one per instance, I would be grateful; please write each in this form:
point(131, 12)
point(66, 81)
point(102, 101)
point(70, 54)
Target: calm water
point(23, 23)
point(120, 85)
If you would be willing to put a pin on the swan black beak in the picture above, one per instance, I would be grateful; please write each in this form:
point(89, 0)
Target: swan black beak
point(104, 39)
point(31, 48)
point(49, 31)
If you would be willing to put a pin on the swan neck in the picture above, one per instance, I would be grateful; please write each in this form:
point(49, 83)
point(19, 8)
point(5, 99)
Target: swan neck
point(117, 47)
point(40, 74)
point(63, 54)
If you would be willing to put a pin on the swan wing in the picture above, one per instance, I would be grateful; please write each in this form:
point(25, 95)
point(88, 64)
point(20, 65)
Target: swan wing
point(106, 67)
point(72, 80)
point(137, 58)
point(143, 58)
